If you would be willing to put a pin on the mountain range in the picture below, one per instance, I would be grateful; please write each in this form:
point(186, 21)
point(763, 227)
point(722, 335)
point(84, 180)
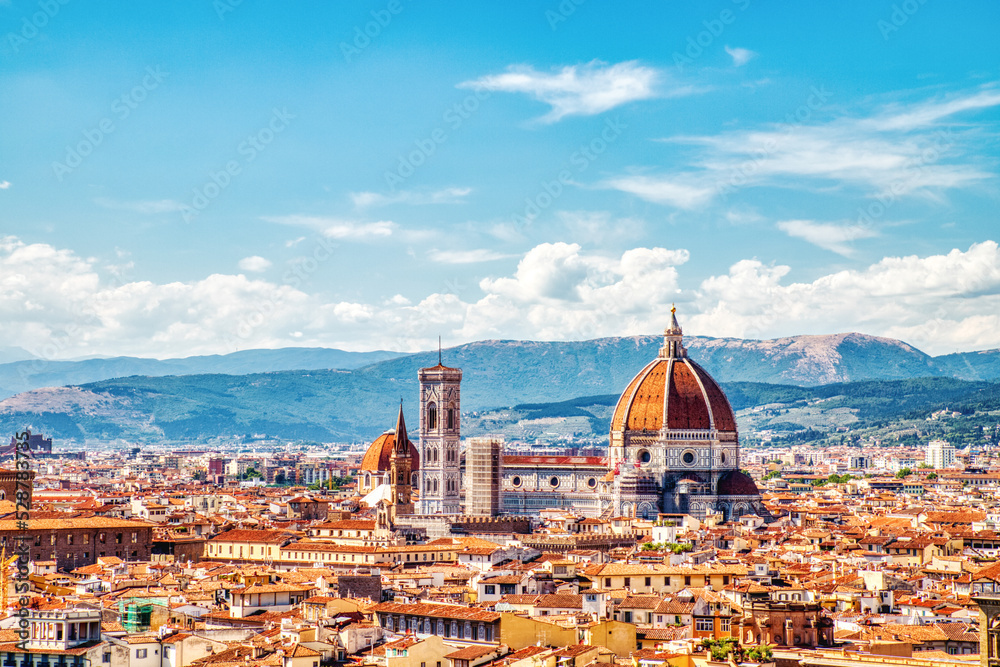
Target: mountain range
point(327, 395)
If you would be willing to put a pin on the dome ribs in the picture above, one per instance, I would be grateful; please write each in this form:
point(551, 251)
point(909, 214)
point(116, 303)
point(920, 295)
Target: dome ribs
point(725, 419)
point(647, 406)
point(688, 407)
point(618, 422)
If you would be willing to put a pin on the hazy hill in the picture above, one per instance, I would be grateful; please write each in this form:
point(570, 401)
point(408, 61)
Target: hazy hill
point(26, 373)
point(358, 403)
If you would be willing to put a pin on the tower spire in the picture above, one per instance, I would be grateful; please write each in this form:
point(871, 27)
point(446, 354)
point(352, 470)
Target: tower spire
point(402, 443)
point(673, 338)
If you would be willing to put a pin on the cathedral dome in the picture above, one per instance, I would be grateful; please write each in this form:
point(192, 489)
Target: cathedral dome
point(736, 483)
point(673, 392)
point(376, 459)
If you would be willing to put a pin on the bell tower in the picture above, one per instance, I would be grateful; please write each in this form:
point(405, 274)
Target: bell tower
point(440, 407)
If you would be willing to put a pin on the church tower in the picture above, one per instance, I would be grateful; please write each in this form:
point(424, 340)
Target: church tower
point(440, 477)
point(400, 464)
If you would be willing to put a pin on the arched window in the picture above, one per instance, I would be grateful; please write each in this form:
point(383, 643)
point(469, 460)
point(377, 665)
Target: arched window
point(451, 417)
point(432, 416)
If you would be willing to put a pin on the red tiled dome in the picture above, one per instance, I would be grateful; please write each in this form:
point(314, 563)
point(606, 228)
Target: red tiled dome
point(736, 483)
point(376, 459)
point(678, 388)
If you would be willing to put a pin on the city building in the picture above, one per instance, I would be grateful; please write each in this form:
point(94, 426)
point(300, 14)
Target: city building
point(940, 454)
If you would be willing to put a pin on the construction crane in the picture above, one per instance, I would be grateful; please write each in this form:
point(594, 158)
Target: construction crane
point(5, 563)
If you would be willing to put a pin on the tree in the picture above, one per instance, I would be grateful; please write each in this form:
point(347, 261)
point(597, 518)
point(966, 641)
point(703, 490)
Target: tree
point(903, 473)
point(761, 653)
point(932, 476)
point(924, 464)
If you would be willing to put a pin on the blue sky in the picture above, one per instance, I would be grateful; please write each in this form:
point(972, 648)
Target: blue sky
point(203, 177)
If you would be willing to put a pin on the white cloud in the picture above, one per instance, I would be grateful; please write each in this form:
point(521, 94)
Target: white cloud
point(474, 256)
point(598, 228)
point(834, 237)
point(4, 185)
point(255, 264)
point(669, 190)
point(899, 297)
point(559, 291)
point(335, 228)
point(894, 152)
point(579, 90)
point(145, 207)
point(414, 198)
point(740, 56)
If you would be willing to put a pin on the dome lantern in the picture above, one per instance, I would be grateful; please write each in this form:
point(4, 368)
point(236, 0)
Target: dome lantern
point(673, 339)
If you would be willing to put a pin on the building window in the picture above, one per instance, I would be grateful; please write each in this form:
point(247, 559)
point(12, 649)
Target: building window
point(140, 653)
point(649, 581)
point(628, 582)
point(491, 589)
point(52, 540)
point(106, 658)
point(726, 624)
point(69, 540)
point(432, 416)
point(687, 579)
point(703, 624)
point(86, 538)
point(607, 582)
point(451, 418)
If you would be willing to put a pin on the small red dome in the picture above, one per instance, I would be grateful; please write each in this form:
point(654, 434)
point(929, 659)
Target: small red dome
point(376, 459)
point(736, 483)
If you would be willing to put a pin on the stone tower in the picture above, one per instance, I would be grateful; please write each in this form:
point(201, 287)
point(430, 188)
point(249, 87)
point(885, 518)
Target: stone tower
point(440, 477)
point(399, 470)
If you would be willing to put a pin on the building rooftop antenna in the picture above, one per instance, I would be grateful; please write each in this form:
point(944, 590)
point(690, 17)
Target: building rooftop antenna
point(439, 351)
